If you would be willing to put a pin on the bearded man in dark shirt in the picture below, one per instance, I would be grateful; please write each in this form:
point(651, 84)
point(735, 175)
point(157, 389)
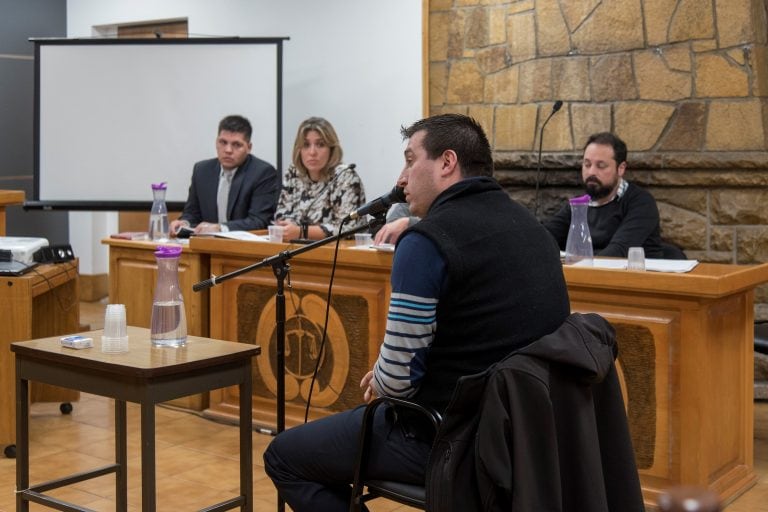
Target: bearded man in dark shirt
point(621, 214)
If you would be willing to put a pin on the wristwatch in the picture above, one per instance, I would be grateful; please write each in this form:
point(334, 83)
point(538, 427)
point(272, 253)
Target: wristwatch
point(304, 230)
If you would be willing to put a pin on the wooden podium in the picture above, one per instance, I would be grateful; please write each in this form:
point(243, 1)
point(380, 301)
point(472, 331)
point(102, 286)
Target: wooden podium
point(43, 302)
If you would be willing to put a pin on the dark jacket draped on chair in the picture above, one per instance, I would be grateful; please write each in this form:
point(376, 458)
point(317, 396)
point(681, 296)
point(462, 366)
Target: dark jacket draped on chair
point(543, 430)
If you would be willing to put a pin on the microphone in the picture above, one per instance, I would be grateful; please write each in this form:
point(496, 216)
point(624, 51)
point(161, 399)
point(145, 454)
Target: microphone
point(557, 106)
point(379, 205)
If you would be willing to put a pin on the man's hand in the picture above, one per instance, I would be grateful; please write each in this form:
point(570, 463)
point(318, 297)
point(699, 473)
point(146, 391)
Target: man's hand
point(365, 384)
point(176, 225)
point(207, 227)
point(390, 232)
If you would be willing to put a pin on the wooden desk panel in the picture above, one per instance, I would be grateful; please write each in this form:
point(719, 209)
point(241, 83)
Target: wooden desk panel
point(8, 198)
point(685, 357)
point(243, 309)
point(43, 302)
point(132, 278)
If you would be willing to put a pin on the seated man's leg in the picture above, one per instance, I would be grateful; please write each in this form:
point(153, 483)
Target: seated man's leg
point(313, 465)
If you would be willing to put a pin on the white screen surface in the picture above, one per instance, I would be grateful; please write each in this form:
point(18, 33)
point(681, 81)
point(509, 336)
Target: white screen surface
point(115, 118)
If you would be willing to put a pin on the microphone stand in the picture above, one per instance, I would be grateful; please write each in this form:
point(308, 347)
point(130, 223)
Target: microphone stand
point(280, 267)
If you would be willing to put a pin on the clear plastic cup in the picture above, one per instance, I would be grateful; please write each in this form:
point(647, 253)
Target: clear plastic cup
point(115, 338)
point(275, 233)
point(363, 239)
point(636, 259)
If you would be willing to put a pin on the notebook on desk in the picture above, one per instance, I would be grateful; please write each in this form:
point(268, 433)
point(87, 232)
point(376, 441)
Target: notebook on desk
point(15, 268)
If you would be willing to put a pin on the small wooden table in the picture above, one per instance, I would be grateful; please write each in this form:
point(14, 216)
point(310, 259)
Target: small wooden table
point(145, 375)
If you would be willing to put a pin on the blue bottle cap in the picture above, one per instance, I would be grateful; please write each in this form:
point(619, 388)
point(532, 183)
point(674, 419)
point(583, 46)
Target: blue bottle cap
point(168, 251)
point(585, 199)
point(159, 186)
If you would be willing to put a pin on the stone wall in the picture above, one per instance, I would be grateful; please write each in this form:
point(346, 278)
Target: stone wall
point(683, 82)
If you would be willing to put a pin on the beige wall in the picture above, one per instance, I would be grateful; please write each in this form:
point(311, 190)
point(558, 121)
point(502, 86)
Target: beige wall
point(683, 82)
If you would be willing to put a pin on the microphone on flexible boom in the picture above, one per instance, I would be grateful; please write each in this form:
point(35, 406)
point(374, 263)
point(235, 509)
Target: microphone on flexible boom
point(557, 106)
point(379, 205)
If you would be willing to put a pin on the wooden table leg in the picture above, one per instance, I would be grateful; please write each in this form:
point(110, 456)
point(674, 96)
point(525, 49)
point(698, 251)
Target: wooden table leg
point(121, 457)
point(22, 442)
point(148, 473)
point(246, 439)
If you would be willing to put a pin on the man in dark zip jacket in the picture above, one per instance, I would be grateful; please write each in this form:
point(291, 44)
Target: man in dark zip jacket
point(475, 279)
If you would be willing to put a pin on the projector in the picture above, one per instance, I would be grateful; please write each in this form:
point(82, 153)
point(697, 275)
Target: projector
point(22, 248)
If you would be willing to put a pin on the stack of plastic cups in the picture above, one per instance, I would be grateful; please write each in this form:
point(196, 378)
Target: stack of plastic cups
point(115, 338)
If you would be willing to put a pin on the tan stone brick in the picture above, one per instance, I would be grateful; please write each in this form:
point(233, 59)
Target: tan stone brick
point(717, 77)
point(693, 200)
point(758, 62)
point(734, 22)
point(737, 55)
point(677, 57)
point(439, 5)
point(557, 134)
point(465, 83)
point(552, 37)
point(570, 79)
point(502, 87)
point(521, 36)
point(693, 19)
point(477, 28)
point(483, 114)
point(456, 34)
point(704, 45)
point(735, 125)
point(497, 26)
point(686, 130)
point(682, 227)
point(514, 128)
point(655, 81)
point(657, 16)
point(438, 83)
point(492, 59)
point(439, 31)
point(612, 26)
point(576, 12)
point(739, 206)
point(522, 6)
point(612, 78)
point(640, 124)
point(587, 119)
point(535, 80)
point(722, 239)
point(750, 245)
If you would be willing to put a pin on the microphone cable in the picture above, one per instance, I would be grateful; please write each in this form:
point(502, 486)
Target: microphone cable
point(325, 324)
point(557, 106)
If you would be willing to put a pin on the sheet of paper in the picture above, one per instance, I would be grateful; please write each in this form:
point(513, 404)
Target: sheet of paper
point(651, 264)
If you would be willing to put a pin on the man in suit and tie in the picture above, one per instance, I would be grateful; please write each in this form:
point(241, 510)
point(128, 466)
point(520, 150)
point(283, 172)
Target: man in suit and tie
point(235, 190)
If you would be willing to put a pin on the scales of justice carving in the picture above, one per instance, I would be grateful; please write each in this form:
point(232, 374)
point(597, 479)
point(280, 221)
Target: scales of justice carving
point(305, 317)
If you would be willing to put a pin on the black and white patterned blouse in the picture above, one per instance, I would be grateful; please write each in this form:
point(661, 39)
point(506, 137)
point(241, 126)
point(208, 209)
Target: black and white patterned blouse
point(325, 202)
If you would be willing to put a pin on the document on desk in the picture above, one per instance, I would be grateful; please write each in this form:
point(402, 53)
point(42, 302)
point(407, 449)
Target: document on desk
point(237, 235)
point(651, 264)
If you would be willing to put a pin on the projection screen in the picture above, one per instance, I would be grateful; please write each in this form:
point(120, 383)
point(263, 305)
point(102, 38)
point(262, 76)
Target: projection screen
point(114, 116)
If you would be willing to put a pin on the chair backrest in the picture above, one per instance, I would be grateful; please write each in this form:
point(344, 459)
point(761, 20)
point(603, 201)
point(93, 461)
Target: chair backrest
point(408, 494)
point(672, 252)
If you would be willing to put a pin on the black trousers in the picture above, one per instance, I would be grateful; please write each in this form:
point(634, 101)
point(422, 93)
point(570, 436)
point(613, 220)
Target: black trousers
point(313, 465)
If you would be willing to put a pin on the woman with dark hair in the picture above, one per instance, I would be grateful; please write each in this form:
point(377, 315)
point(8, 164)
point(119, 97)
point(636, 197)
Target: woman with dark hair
point(318, 189)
